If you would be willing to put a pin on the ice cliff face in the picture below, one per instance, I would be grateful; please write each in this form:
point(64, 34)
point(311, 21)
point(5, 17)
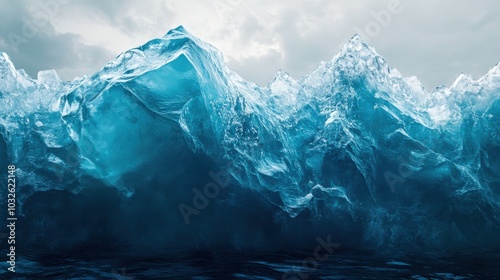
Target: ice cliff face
point(351, 147)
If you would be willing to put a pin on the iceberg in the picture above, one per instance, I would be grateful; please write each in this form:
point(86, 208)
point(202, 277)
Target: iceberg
point(353, 149)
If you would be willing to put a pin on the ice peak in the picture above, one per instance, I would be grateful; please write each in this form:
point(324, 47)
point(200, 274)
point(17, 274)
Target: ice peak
point(6, 65)
point(281, 75)
point(493, 74)
point(357, 45)
point(178, 30)
point(355, 55)
point(356, 39)
point(49, 77)
point(463, 78)
point(495, 70)
point(5, 59)
point(464, 83)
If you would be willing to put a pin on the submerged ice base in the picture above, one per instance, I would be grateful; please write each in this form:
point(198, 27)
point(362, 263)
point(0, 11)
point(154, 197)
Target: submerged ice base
point(352, 149)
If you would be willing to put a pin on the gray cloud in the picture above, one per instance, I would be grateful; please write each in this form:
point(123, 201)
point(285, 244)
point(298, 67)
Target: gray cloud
point(34, 46)
point(260, 68)
point(435, 41)
point(438, 41)
point(125, 15)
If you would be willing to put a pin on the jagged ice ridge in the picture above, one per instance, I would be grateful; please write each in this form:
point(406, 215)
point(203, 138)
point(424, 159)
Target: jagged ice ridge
point(353, 148)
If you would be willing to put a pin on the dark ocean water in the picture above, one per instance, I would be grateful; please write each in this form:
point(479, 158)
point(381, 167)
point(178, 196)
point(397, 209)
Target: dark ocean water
point(277, 265)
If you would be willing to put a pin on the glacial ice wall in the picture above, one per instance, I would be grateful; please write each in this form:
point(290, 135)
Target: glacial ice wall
point(353, 144)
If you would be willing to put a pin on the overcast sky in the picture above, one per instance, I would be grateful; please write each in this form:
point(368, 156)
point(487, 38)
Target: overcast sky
point(434, 40)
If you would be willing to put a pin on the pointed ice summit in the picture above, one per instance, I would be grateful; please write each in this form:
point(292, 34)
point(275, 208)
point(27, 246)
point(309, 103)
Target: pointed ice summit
point(353, 145)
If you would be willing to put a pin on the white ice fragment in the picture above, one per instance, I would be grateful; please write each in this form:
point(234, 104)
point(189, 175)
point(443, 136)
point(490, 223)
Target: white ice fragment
point(334, 116)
